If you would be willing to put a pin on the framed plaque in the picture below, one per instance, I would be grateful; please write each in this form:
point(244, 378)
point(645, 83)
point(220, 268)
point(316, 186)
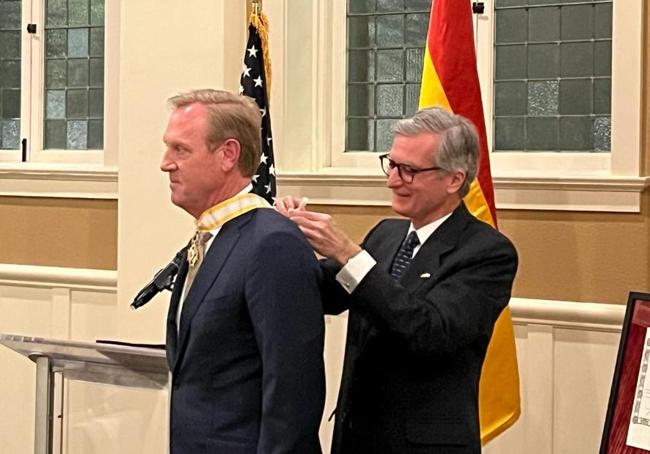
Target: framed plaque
point(627, 424)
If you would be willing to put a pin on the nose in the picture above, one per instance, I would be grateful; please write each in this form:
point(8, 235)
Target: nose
point(167, 164)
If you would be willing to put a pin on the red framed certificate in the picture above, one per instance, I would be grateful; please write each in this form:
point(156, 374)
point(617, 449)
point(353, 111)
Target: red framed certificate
point(627, 424)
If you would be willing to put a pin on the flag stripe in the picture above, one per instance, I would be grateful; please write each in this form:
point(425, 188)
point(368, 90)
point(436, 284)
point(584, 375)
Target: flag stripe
point(450, 80)
point(450, 27)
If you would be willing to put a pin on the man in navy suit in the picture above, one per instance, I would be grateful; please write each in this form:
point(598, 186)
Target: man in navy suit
point(245, 327)
point(423, 293)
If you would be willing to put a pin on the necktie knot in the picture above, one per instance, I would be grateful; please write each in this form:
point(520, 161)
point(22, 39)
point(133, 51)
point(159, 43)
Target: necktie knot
point(404, 255)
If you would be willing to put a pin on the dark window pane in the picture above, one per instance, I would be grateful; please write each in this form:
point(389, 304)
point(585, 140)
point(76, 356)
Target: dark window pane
point(360, 136)
point(390, 100)
point(603, 20)
point(56, 43)
point(9, 44)
point(55, 134)
point(97, 42)
point(390, 65)
point(414, 60)
point(10, 104)
point(97, 12)
point(56, 74)
point(576, 59)
point(361, 65)
point(541, 134)
point(361, 100)
point(95, 134)
point(603, 96)
point(389, 5)
point(603, 58)
point(78, 12)
point(10, 12)
point(361, 31)
point(77, 104)
point(417, 5)
point(57, 13)
point(10, 73)
point(576, 134)
point(509, 134)
point(510, 98)
point(577, 22)
point(384, 134)
point(575, 97)
point(544, 24)
point(78, 72)
point(412, 99)
point(390, 30)
point(416, 29)
point(511, 26)
point(543, 60)
point(511, 62)
point(96, 72)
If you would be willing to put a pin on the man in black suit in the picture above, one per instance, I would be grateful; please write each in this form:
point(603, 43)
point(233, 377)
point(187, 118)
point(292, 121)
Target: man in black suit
point(245, 326)
point(423, 293)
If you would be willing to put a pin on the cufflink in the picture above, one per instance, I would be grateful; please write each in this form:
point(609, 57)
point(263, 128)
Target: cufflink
point(425, 275)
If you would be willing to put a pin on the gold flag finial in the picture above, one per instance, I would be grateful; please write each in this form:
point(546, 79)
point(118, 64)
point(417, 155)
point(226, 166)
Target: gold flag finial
point(257, 7)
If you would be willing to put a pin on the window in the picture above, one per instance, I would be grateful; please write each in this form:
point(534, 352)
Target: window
point(552, 75)
point(312, 105)
point(52, 81)
point(385, 49)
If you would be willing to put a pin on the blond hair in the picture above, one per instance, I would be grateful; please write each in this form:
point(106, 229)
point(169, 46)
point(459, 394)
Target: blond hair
point(230, 116)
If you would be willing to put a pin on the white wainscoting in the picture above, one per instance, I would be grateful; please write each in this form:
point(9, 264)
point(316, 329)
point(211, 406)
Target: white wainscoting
point(566, 352)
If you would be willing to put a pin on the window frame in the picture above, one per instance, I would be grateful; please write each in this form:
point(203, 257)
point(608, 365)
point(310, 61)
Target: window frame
point(62, 173)
point(309, 73)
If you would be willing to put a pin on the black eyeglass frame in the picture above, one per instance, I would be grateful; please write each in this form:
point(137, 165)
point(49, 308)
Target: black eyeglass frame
point(409, 171)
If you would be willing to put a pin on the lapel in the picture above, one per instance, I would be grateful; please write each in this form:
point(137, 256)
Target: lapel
point(441, 242)
point(210, 269)
point(177, 290)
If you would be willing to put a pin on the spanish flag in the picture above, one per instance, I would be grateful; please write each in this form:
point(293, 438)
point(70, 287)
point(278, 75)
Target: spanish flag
point(450, 80)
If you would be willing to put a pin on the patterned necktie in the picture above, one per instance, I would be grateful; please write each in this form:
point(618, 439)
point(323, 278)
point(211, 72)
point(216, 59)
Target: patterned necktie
point(195, 255)
point(404, 255)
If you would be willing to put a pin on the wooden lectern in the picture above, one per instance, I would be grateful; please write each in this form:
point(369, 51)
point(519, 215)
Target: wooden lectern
point(108, 363)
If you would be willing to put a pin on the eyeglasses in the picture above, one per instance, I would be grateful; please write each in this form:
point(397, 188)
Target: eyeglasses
point(405, 172)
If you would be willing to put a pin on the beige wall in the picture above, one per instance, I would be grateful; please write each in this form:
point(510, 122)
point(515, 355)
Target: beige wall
point(58, 232)
point(563, 255)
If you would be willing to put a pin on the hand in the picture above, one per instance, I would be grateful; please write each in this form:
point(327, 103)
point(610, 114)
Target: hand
point(286, 205)
point(324, 235)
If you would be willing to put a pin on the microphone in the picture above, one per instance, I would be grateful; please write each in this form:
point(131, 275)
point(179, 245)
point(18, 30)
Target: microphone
point(163, 280)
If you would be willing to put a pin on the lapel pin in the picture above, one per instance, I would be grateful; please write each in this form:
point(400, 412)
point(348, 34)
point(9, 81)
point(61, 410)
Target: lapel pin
point(425, 275)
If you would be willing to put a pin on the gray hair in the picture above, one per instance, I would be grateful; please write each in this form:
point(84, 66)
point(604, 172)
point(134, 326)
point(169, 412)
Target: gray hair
point(229, 116)
point(459, 144)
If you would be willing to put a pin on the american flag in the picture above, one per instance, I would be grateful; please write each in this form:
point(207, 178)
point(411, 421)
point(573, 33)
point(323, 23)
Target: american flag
point(253, 83)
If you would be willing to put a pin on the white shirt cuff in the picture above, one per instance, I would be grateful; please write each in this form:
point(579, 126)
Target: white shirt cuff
point(355, 270)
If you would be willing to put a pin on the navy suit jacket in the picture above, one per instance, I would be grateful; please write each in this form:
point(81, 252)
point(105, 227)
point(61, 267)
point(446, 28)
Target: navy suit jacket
point(247, 363)
point(415, 347)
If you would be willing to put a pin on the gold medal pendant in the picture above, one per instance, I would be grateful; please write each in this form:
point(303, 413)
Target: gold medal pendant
point(193, 253)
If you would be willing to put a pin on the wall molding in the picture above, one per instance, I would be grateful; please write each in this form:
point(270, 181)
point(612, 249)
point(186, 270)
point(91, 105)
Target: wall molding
point(58, 277)
point(58, 181)
point(334, 186)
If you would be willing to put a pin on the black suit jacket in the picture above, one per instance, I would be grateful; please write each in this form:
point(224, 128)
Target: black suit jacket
point(247, 365)
point(415, 347)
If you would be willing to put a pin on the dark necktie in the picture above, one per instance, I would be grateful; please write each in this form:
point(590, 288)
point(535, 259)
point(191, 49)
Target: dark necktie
point(404, 255)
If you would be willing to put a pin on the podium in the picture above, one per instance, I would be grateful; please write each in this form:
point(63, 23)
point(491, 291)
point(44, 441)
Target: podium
point(106, 363)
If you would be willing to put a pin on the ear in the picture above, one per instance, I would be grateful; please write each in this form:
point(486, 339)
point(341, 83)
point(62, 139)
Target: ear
point(231, 152)
point(457, 180)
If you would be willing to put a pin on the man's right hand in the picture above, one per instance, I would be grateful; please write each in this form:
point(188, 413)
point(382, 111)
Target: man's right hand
point(288, 204)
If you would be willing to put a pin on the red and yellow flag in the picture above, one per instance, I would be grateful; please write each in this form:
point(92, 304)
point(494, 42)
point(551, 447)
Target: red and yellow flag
point(450, 80)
